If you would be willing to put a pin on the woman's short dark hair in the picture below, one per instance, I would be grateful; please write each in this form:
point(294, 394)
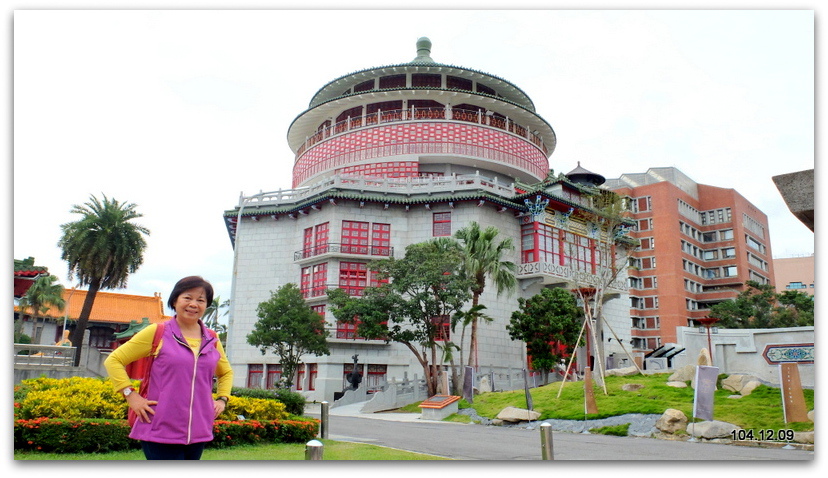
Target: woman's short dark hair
point(188, 283)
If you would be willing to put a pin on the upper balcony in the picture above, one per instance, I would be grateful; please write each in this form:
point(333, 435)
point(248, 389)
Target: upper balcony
point(486, 118)
point(333, 248)
point(549, 273)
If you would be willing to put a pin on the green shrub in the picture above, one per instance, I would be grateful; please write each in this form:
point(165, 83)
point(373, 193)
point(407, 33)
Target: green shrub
point(294, 401)
point(253, 409)
point(72, 436)
point(615, 430)
point(82, 397)
point(98, 436)
point(69, 398)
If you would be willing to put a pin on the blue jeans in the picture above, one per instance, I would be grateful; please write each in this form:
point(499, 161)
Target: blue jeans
point(167, 451)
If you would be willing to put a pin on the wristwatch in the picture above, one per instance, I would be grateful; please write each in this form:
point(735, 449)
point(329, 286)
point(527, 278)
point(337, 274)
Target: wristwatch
point(223, 399)
point(127, 391)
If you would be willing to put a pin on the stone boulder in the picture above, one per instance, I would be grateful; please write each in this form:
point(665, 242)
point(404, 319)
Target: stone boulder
point(677, 384)
point(684, 374)
point(737, 382)
point(732, 383)
point(632, 387)
point(704, 358)
point(749, 387)
point(811, 416)
point(514, 414)
point(804, 437)
point(713, 429)
point(672, 421)
point(621, 372)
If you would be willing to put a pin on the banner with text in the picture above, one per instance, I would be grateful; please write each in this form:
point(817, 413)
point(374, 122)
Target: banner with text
point(706, 378)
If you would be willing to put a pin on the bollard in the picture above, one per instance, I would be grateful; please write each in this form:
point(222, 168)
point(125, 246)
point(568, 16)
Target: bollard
point(546, 442)
point(324, 425)
point(313, 450)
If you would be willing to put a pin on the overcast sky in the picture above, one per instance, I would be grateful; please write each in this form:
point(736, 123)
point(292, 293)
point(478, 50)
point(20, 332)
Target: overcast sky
point(180, 111)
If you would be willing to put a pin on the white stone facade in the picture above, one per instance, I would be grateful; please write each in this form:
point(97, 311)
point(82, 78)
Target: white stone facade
point(385, 146)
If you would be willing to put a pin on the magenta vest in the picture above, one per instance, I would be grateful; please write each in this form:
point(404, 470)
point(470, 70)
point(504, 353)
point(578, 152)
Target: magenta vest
point(183, 386)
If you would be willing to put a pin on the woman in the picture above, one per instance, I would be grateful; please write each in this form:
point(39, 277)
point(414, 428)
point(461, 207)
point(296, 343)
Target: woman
point(175, 421)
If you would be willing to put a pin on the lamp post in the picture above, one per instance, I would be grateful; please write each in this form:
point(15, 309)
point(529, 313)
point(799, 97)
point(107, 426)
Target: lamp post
point(707, 323)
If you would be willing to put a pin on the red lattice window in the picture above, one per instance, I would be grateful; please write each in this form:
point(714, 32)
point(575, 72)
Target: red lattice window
point(381, 239)
point(354, 237)
point(441, 224)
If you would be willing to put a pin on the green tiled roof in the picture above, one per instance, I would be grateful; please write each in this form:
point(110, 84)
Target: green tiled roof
point(26, 268)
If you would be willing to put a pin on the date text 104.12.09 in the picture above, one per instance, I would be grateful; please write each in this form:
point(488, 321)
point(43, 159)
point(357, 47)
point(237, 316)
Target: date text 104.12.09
point(766, 434)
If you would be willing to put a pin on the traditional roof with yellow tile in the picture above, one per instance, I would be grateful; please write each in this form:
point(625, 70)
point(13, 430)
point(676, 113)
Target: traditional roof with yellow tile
point(113, 307)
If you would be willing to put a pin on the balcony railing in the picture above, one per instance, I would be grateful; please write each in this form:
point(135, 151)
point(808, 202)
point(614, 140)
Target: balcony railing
point(338, 248)
point(568, 274)
point(422, 114)
point(408, 186)
point(44, 355)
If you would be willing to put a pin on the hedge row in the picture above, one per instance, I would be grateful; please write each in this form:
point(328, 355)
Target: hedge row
point(59, 435)
point(94, 398)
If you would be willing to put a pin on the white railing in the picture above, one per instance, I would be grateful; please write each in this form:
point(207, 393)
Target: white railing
point(568, 274)
point(362, 184)
point(44, 355)
point(422, 114)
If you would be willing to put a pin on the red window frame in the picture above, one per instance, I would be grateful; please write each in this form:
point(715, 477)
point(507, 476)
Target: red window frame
point(441, 224)
point(353, 277)
point(380, 239)
point(254, 375)
point(443, 325)
point(274, 374)
point(354, 237)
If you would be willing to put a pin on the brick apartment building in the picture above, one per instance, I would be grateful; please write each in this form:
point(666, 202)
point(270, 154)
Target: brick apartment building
point(699, 244)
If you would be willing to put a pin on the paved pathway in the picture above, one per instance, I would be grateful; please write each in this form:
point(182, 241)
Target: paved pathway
point(459, 441)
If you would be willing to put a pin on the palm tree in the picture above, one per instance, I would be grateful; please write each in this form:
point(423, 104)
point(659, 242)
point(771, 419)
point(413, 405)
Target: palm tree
point(484, 258)
point(43, 295)
point(102, 249)
point(212, 314)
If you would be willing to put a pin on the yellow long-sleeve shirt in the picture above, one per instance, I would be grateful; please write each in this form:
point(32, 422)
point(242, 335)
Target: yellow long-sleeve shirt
point(140, 346)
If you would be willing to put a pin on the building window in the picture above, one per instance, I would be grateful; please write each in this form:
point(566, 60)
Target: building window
point(728, 252)
point(730, 271)
point(354, 237)
point(353, 277)
point(315, 240)
point(441, 225)
point(709, 236)
point(274, 374)
point(641, 204)
point(648, 263)
point(313, 371)
point(754, 244)
point(443, 326)
point(254, 375)
point(645, 224)
point(647, 243)
point(314, 280)
point(381, 239)
point(726, 234)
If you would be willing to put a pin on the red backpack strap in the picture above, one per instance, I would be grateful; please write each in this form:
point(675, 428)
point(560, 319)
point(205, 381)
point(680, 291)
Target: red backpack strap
point(156, 339)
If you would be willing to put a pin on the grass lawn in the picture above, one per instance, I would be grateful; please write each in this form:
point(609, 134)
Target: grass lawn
point(762, 409)
point(333, 451)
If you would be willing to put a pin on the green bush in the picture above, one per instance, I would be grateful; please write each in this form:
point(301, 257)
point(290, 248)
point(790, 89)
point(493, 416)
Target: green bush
point(68, 398)
point(294, 402)
point(615, 430)
point(82, 397)
point(253, 409)
point(72, 436)
point(99, 436)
